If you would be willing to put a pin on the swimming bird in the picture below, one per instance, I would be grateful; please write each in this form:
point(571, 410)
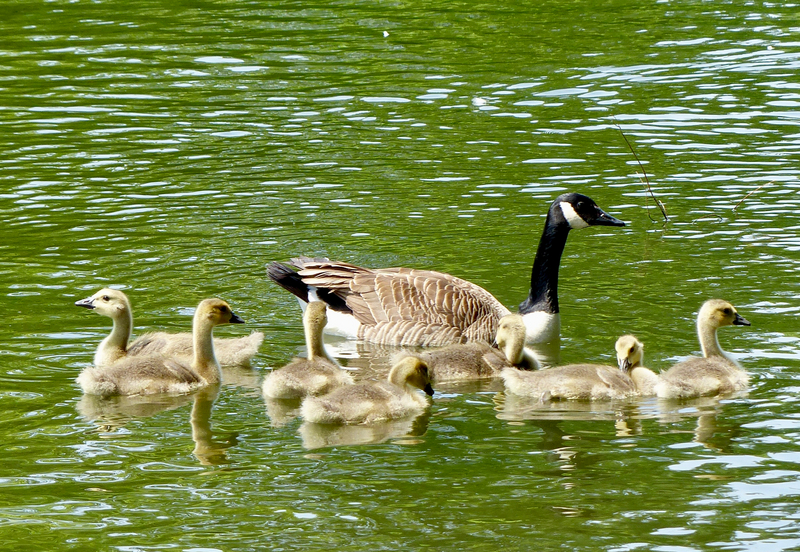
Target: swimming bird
point(371, 402)
point(573, 381)
point(630, 355)
point(156, 373)
point(715, 373)
point(236, 351)
point(405, 306)
point(477, 360)
point(316, 375)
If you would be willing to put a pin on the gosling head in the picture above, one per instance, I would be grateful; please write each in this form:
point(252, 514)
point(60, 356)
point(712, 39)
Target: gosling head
point(630, 352)
point(580, 211)
point(316, 314)
point(510, 337)
point(217, 312)
point(108, 302)
point(412, 371)
point(718, 313)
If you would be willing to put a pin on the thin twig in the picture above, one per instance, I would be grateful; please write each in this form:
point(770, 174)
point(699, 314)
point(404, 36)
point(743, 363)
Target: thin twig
point(646, 182)
point(751, 193)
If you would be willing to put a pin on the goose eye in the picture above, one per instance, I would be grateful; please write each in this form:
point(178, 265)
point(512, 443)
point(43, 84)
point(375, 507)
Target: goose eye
point(579, 205)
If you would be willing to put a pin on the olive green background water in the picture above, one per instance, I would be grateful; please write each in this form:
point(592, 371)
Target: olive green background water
point(173, 149)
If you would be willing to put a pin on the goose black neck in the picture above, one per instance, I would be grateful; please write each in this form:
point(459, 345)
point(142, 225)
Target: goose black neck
point(543, 296)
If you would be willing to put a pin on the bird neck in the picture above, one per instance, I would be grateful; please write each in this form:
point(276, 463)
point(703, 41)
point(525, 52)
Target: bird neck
point(707, 335)
point(543, 294)
point(205, 360)
point(114, 346)
point(315, 344)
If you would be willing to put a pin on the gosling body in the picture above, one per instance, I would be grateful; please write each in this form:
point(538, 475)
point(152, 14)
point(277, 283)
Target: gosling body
point(140, 375)
point(316, 375)
point(716, 373)
point(373, 402)
point(117, 345)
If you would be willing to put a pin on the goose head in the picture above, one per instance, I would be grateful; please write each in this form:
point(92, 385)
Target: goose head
point(108, 302)
point(630, 352)
point(216, 311)
point(716, 313)
point(411, 371)
point(579, 211)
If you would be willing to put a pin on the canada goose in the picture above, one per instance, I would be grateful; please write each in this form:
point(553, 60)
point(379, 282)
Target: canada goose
point(371, 402)
point(476, 360)
point(157, 373)
point(315, 375)
point(715, 373)
point(113, 303)
point(630, 355)
point(404, 306)
point(573, 381)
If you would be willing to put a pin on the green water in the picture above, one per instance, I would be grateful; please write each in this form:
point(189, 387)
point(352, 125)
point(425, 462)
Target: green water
point(173, 149)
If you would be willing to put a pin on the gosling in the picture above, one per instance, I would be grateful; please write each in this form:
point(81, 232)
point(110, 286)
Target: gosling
point(316, 375)
point(369, 403)
point(113, 303)
point(478, 360)
point(716, 373)
point(630, 355)
point(157, 373)
point(574, 381)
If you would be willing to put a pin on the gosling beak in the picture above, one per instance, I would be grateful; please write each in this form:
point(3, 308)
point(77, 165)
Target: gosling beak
point(428, 390)
point(738, 321)
point(87, 303)
point(235, 319)
point(624, 365)
point(604, 219)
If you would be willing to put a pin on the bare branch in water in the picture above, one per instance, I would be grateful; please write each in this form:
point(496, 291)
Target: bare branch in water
point(751, 193)
point(646, 182)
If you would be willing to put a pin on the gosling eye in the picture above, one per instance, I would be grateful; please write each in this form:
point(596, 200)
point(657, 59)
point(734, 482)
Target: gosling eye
point(106, 298)
point(727, 311)
point(223, 309)
point(630, 352)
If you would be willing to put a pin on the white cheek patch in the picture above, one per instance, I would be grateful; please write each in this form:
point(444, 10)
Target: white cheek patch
point(573, 218)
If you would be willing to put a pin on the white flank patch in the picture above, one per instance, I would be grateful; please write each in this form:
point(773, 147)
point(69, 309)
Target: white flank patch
point(541, 327)
point(339, 323)
point(573, 218)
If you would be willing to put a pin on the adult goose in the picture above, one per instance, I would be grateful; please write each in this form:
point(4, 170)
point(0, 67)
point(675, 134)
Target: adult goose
point(235, 351)
point(156, 373)
point(716, 372)
point(405, 306)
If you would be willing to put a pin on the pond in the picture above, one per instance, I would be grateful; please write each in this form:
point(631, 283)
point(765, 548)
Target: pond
point(172, 151)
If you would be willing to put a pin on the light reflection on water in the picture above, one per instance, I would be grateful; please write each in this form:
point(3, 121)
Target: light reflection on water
point(174, 153)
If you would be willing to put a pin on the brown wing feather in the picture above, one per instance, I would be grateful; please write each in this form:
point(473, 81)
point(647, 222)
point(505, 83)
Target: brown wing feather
point(407, 306)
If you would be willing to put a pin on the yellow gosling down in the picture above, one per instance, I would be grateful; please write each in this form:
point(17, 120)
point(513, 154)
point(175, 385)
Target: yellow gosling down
point(480, 360)
point(234, 351)
point(157, 373)
point(366, 403)
point(316, 375)
point(630, 355)
point(587, 382)
point(716, 373)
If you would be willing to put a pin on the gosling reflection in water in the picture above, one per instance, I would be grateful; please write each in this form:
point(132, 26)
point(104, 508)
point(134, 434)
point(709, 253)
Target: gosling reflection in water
point(330, 435)
point(112, 413)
